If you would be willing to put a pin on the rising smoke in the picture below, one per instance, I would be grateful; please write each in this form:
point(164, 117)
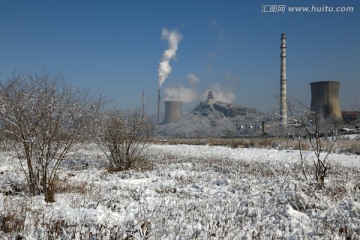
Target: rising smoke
point(192, 78)
point(188, 95)
point(221, 93)
point(173, 38)
point(183, 94)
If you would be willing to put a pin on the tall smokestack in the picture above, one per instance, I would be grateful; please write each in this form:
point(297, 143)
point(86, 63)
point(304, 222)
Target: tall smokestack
point(283, 107)
point(158, 110)
point(143, 104)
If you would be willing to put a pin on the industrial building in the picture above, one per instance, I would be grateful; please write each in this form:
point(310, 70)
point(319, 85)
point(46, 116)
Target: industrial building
point(350, 116)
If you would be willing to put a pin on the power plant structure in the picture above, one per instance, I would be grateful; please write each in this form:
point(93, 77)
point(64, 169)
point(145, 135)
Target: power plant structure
point(283, 105)
point(172, 111)
point(325, 99)
point(143, 104)
point(158, 107)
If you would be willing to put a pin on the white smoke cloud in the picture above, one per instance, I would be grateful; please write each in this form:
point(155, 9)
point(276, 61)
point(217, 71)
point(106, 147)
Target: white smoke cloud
point(173, 38)
point(183, 94)
point(221, 93)
point(192, 78)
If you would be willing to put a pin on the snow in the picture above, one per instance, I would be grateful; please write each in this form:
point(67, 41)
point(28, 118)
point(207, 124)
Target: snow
point(202, 192)
point(351, 136)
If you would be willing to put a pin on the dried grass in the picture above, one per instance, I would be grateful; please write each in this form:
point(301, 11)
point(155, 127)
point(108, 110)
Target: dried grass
point(67, 186)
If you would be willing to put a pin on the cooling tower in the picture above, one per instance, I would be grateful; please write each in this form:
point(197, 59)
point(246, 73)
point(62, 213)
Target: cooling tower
point(172, 111)
point(325, 99)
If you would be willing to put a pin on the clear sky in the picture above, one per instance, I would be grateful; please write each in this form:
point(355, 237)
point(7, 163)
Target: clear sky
point(228, 45)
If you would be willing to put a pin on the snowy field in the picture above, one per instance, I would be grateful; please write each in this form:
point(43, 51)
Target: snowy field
point(192, 192)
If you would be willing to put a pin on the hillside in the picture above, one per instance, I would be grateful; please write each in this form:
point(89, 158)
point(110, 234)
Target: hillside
point(216, 118)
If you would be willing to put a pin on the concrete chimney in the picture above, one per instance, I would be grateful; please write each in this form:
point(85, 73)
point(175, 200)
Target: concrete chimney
point(283, 106)
point(158, 108)
point(325, 99)
point(143, 104)
point(172, 111)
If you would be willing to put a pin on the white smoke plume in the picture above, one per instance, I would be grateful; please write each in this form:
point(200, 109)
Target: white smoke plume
point(183, 94)
point(173, 38)
point(192, 78)
point(221, 93)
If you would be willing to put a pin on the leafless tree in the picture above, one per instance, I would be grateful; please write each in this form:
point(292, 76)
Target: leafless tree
point(321, 133)
point(44, 118)
point(123, 138)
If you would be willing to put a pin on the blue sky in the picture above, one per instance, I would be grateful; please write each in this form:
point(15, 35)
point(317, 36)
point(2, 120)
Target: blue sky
point(231, 45)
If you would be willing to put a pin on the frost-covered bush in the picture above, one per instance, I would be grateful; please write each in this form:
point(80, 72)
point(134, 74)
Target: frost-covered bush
point(193, 192)
point(44, 118)
point(321, 133)
point(123, 137)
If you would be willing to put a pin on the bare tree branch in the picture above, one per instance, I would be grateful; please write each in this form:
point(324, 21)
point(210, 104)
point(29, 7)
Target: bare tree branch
point(123, 137)
point(44, 118)
point(317, 130)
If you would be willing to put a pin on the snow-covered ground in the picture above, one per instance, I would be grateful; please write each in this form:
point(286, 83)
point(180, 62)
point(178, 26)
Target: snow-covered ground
point(193, 192)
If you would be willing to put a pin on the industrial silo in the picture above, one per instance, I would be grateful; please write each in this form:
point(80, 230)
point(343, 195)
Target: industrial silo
point(325, 99)
point(172, 111)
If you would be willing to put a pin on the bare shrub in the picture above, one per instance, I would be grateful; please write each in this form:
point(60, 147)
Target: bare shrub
point(123, 137)
point(12, 220)
point(321, 133)
point(43, 117)
point(337, 191)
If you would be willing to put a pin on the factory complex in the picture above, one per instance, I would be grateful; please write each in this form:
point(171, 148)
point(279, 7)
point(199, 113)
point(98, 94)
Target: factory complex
point(325, 100)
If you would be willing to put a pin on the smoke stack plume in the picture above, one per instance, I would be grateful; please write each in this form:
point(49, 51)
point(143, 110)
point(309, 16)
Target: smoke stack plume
point(283, 107)
point(173, 38)
point(183, 94)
